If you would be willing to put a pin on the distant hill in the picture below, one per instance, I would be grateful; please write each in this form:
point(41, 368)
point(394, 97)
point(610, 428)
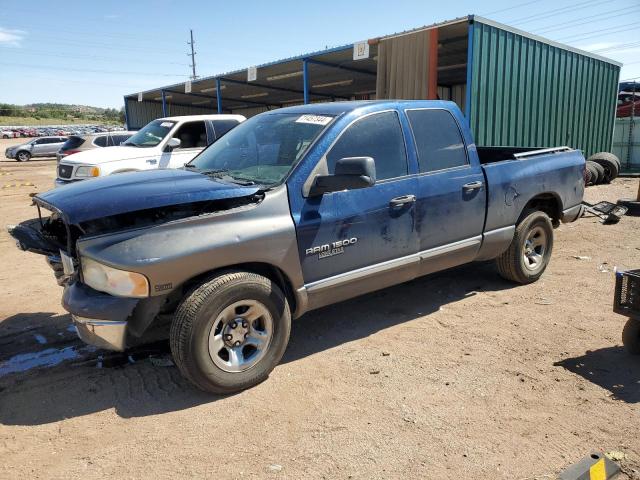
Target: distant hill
point(60, 111)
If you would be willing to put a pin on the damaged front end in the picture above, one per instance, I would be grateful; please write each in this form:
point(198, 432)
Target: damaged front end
point(50, 237)
point(105, 318)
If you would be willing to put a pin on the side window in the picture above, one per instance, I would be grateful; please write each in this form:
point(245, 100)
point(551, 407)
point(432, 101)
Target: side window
point(223, 126)
point(118, 139)
point(100, 141)
point(378, 136)
point(438, 140)
point(192, 135)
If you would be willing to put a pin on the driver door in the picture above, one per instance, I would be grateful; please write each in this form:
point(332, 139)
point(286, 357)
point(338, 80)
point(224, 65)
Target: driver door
point(193, 139)
point(378, 222)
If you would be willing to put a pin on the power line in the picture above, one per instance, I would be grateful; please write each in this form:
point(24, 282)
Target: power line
point(554, 12)
point(560, 26)
point(609, 29)
point(622, 46)
point(67, 69)
point(510, 8)
point(23, 51)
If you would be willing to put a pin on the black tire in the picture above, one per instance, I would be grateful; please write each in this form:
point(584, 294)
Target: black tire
point(631, 336)
point(23, 156)
point(200, 311)
point(609, 162)
point(633, 206)
point(512, 264)
point(593, 173)
point(5, 136)
point(588, 175)
point(600, 173)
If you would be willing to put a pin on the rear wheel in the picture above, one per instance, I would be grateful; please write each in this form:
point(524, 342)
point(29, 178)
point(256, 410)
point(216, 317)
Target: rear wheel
point(230, 332)
point(23, 156)
point(527, 257)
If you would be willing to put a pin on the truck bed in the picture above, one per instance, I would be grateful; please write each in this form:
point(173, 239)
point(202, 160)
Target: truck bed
point(515, 175)
point(498, 154)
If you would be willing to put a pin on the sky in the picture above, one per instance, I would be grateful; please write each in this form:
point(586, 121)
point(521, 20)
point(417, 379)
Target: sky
point(92, 53)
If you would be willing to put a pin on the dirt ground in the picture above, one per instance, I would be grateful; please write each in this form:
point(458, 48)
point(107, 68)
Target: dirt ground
point(457, 375)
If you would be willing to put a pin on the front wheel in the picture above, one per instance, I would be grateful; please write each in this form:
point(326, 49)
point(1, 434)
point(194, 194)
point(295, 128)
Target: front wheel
point(230, 332)
point(23, 156)
point(528, 255)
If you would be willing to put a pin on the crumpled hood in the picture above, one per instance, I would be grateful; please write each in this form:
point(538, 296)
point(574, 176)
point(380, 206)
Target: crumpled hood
point(129, 192)
point(96, 156)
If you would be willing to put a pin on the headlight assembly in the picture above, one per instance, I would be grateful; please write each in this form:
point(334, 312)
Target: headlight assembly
point(119, 283)
point(88, 171)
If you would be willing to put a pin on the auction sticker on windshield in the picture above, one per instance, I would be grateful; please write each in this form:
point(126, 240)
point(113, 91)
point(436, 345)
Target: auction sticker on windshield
point(314, 119)
point(166, 124)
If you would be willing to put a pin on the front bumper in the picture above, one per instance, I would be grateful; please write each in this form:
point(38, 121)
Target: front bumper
point(59, 182)
point(100, 319)
point(10, 154)
point(112, 323)
point(107, 334)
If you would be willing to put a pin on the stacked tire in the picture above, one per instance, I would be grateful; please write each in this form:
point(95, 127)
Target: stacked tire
point(602, 167)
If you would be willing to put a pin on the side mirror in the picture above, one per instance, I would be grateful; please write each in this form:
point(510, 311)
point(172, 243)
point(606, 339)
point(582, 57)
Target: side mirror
point(172, 143)
point(350, 173)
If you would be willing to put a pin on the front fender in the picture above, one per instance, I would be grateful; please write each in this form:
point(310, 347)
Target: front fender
point(171, 253)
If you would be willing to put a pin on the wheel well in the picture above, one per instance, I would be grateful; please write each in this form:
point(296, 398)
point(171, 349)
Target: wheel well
point(265, 269)
point(548, 203)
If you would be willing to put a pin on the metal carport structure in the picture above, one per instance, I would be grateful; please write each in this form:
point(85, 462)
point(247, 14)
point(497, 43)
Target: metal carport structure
point(515, 88)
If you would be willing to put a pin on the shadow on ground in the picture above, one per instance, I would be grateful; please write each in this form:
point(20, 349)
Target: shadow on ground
point(141, 388)
point(610, 368)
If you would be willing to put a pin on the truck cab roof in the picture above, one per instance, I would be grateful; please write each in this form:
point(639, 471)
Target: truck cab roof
point(213, 116)
point(338, 108)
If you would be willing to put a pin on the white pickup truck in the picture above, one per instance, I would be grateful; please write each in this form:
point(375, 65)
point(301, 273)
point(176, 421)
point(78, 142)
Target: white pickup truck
point(169, 142)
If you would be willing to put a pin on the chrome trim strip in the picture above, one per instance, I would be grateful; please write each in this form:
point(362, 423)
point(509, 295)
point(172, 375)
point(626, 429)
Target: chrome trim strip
point(389, 265)
point(499, 230)
point(451, 247)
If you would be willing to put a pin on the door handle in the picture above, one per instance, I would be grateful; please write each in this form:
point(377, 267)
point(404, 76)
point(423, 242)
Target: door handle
point(473, 185)
point(152, 161)
point(402, 200)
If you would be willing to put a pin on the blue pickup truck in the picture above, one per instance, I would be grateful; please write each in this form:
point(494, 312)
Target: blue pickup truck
point(292, 210)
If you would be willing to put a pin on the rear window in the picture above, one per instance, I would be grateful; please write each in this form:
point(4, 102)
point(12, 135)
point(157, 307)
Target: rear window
point(438, 140)
point(100, 141)
point(223, 126)
point(72, 142)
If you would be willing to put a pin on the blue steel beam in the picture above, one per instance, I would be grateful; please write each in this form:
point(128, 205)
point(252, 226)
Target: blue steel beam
point(305, 80)
point(164, 104)
point(126, 112)
point(218, 95)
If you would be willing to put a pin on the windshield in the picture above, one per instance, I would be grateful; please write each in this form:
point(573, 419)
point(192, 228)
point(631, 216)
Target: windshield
point(262, 150)
point(151, 134)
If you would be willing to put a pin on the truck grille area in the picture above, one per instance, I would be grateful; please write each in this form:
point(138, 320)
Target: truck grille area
point(65, 171)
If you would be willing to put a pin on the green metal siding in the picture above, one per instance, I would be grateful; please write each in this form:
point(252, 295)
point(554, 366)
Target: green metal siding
point(525, 92)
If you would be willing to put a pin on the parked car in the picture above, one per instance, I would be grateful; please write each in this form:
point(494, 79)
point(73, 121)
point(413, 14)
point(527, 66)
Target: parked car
point(38, 147)
point(83, 143)
point(628, 103)
point(164, 143)
point(292, 210)
point(7, 134)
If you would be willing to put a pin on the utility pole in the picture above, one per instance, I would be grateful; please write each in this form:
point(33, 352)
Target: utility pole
point(193, 57)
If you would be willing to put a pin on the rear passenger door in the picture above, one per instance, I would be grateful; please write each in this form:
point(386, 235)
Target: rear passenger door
point(451, 192)
point(376, 223)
